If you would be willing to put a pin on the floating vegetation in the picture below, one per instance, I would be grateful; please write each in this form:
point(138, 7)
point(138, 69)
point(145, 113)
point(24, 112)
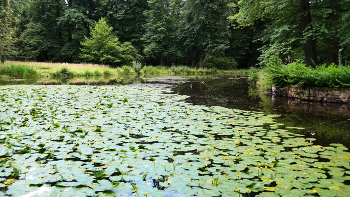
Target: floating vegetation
point(145, 141)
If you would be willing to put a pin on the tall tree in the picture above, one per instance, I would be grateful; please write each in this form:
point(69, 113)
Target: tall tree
point(42, 37)
point(299, 25)
point(160, 36)
point(8, 23)
point(203, 29)
point(74, 23)
point(126, 17)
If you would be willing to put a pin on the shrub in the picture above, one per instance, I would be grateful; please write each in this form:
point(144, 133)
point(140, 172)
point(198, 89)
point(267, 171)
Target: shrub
point(220, 62)
point(298, 74)
point(181, 70)
point(149, 70)
point(97, 73)
point(137, 66)
point(88, 73)
point(127, 70)
point(212, 71)
point(253, 75)
point(107, 73)
point(64, 72)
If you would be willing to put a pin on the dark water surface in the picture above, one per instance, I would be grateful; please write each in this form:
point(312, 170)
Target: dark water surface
point(326, 122)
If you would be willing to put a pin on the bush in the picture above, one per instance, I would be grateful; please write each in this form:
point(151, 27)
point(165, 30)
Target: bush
point(107, 73)
point(64, 72)
point(149, 70)
point(298, 74)
point(253, 75)
point(137, 66)
point(177, 70)
point(223, 63)
point(127, 70)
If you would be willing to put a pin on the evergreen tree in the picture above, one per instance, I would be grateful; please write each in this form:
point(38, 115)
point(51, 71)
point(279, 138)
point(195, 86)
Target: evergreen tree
point(105, 48)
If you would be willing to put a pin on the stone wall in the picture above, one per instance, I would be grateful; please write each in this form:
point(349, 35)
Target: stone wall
point(331, 95)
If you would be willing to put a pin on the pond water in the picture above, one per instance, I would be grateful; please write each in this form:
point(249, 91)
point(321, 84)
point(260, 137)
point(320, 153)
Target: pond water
point(327, 122)
point(168, 136)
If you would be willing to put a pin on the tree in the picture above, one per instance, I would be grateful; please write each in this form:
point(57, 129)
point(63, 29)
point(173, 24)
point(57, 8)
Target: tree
point(203, 29)
point(42, 36)
point(126, 18)
point(105, 48)
point(7, 30)
point(316, 33)
point(74, 25)
point(160, 36)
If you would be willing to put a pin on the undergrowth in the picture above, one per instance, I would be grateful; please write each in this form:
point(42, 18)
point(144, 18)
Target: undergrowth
point(298, 74)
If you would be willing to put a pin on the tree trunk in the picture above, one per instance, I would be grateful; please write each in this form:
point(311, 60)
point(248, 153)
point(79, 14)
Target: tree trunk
point(310, 43)
point(201, 58)
point(332, 52)
point(168, 60)
point(161, 59)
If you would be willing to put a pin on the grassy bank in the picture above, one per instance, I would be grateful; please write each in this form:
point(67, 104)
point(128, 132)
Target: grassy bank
point(297, 74)
point(41, 69)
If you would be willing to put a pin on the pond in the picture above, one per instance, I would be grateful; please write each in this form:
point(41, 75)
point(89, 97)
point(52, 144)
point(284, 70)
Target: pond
point(327, 122)
point(161, 137)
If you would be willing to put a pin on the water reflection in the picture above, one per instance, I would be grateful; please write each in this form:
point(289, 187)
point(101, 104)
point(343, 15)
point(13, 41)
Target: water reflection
point(327, 122)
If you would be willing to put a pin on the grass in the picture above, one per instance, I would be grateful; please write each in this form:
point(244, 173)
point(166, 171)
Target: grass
point(42, 69)
point(67, 69)
point(21, 71)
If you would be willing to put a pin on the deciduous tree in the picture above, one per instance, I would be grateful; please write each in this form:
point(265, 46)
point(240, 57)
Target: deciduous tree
point(8, 23)
point(203, 29)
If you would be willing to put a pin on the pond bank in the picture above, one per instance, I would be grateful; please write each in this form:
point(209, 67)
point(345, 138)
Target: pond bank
point(321, 94)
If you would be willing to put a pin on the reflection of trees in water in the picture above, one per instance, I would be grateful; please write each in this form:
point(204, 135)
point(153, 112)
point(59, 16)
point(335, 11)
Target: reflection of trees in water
point(231, 93)
point(327, 122)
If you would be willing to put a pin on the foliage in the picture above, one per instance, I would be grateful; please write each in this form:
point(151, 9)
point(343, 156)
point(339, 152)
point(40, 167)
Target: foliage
point(220, 62)
point(64, 72)
point(203, 29)
point(21, 71)
point(74, 25)
point(160, 34)
point(253, 75)
point(137, 66)
point(311, 31)
point(298, 74)
point(8, 26)
point(104, 48)
point(41, 36)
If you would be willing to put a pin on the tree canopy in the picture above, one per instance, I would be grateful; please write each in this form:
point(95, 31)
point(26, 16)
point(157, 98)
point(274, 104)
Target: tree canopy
point(176, 32)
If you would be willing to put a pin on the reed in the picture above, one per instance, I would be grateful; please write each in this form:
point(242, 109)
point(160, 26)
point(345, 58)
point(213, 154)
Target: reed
point(20, 71)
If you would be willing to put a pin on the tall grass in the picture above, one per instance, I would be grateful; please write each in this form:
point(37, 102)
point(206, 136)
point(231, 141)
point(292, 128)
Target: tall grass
point(20, 71)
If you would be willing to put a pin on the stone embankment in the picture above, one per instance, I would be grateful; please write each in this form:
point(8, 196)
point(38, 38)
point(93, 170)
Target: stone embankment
point(328, 95)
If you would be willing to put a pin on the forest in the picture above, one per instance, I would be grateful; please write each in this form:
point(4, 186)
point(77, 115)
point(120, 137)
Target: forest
point(200, 33)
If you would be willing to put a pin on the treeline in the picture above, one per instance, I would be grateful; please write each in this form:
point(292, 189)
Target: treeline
point(220, 33)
